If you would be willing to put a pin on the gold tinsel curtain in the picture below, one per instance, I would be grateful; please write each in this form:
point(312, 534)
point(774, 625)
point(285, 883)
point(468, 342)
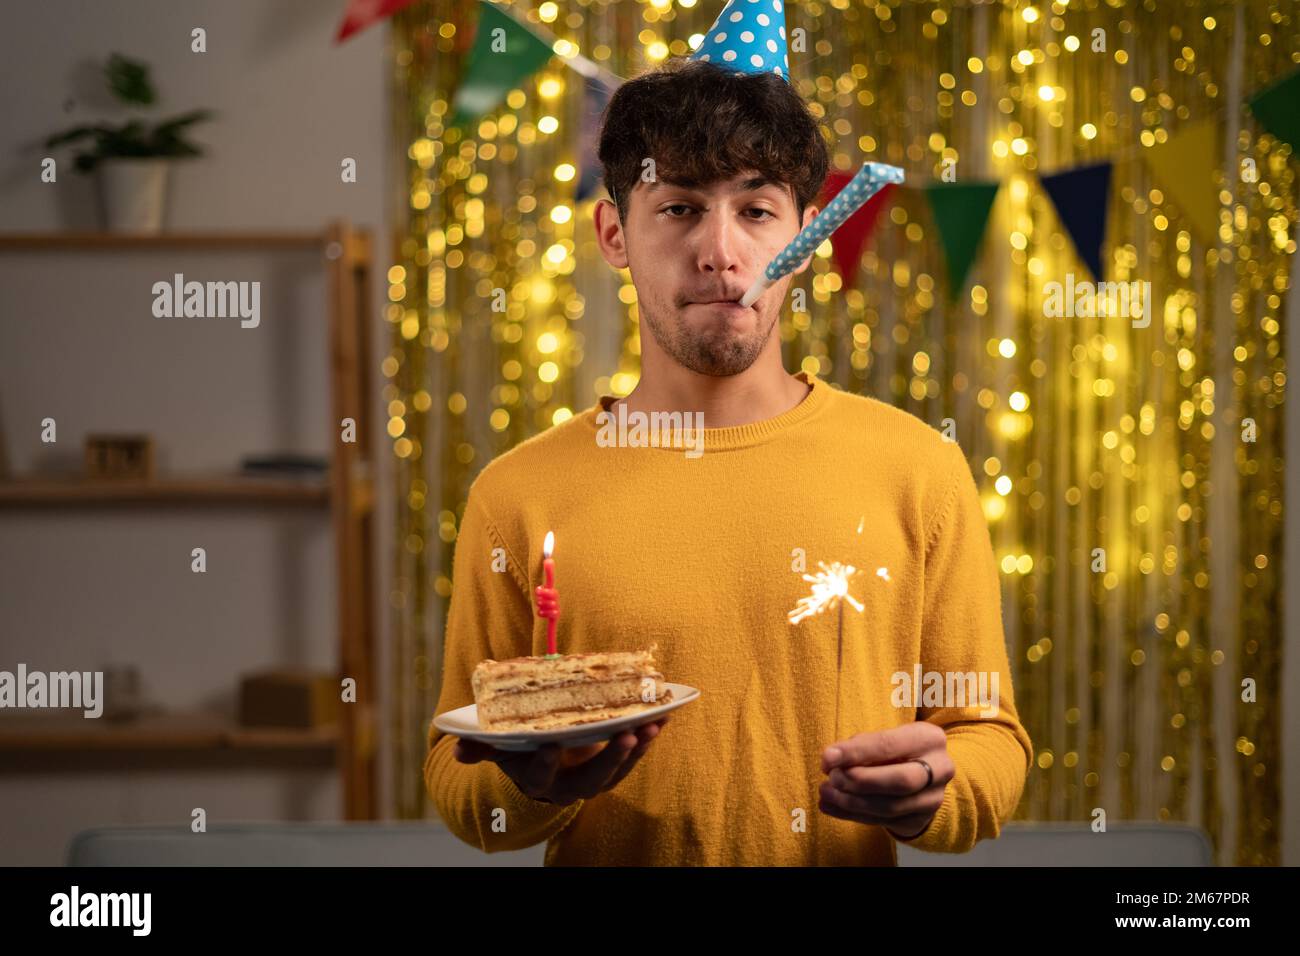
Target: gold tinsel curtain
point(1093, 441)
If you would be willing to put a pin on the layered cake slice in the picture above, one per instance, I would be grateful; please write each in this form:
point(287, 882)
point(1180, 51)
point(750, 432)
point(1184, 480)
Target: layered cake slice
point(537, 693)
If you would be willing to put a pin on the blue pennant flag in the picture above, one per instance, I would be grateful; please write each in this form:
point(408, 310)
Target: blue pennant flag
point(1082, 200)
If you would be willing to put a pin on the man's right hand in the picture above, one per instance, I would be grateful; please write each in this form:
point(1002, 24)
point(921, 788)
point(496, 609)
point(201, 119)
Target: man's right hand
point(564, 776)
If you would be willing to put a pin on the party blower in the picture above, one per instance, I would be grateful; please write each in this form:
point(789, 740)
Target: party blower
point(872, 178)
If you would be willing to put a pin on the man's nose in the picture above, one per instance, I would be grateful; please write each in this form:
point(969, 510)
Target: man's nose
point(721, 243)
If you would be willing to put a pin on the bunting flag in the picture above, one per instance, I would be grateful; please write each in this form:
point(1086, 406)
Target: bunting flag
point(1081, 197)
point(1185, 165)
point(848, 241)
point(595, 96)
point(961, 211)
point(362, 13)
point(505, 53)
point(1275, 108)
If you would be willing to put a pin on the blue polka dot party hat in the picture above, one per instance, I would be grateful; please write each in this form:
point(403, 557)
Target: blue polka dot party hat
point(748, 37)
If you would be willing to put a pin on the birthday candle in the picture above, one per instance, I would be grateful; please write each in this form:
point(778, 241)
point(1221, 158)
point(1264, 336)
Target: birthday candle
point(872, 178)
point(549, 606)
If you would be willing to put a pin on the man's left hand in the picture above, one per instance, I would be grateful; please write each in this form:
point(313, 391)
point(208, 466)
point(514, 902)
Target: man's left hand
point(872, 778)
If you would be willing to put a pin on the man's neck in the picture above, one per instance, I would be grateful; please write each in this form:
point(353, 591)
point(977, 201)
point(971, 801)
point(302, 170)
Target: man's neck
point(764, 390)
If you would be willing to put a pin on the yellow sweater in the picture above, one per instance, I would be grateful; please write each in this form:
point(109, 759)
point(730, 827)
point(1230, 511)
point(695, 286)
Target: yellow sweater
point(701, 554)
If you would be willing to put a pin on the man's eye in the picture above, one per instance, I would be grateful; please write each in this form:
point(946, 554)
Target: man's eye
point(765, 214)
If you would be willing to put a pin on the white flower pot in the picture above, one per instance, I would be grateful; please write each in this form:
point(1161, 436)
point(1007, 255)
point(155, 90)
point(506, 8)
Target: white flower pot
point(133, 193)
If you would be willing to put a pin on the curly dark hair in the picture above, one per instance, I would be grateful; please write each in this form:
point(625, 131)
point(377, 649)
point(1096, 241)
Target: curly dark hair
point(702, 123)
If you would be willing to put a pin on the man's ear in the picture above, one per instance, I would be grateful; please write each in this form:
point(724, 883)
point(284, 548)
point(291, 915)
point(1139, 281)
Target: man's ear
point(809, 215)
point(609, 234)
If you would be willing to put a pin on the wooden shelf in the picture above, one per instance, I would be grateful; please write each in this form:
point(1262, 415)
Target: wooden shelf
point(171, 742)
point(46, 733)
point(179, 489)
point(196, 240)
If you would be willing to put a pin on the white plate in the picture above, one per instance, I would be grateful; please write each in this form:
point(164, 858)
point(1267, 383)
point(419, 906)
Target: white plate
point(463, 722)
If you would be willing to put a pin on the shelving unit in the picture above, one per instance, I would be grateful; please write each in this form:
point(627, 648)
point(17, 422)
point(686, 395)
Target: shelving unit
point(347, 492)
point(166, 732)
point(176, 490)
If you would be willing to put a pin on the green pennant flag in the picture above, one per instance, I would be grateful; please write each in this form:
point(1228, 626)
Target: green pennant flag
point(960, 210)
point(1275, 108)
point(505, 53)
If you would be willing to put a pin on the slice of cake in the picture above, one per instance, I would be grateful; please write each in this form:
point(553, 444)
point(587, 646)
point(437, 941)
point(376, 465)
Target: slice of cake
point(534, 693)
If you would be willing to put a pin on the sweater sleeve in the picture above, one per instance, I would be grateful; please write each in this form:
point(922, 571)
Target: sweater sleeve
point(490, 615)
point(962, 632)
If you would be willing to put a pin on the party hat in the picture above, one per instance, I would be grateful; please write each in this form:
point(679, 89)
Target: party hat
point(748, 37)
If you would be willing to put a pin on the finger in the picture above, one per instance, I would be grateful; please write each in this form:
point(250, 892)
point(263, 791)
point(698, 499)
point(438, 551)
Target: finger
point(645, 735)
point(589, 779)
point(573, 756)
point(833, 811)
point(882, 809)
point(895, 779)
point(538, 774)
point(883, 746)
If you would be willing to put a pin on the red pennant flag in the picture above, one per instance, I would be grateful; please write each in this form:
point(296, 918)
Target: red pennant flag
point(848, 241)
point(362, 13)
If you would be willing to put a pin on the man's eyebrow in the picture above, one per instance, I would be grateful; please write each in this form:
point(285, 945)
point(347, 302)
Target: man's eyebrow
point(749, 185)
point(666, 184)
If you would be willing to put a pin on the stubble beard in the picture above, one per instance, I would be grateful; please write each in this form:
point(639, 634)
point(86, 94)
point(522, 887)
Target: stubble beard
point(712, 349)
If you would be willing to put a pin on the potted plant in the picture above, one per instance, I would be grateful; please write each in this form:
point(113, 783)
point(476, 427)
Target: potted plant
point(132, 159)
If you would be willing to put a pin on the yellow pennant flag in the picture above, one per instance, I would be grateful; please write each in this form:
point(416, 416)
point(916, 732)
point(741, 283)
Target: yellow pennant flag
point(1185, 165)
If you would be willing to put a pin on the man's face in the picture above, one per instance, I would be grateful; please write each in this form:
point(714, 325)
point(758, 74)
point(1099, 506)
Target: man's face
point(693, 252)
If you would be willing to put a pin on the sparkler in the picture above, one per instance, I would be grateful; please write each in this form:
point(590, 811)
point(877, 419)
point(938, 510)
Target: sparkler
point(830, 591)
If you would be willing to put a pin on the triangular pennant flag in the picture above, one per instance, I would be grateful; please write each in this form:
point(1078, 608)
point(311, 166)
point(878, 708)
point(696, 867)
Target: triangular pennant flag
point(961, 211)
point(595, 97)
point(1275, 108)
point(505, 53)
point(362, 13)
point(848, 241)
point(1082, 200)
point(1185, 165)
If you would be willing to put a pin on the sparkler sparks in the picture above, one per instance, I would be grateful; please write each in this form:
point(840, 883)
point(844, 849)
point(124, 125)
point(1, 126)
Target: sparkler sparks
point(830, 585)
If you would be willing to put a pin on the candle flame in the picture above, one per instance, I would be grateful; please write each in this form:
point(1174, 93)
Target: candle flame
point(549, 544)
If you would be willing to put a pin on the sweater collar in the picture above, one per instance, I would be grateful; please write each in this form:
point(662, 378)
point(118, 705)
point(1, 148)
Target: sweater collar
point(739, 436)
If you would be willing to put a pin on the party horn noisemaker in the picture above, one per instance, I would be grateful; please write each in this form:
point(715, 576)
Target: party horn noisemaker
point(872, 178)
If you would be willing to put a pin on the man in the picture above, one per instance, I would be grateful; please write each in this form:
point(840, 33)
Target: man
point(706, 555)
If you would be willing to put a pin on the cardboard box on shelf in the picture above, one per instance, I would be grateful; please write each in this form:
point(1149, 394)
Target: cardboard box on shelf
point(288, 698)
